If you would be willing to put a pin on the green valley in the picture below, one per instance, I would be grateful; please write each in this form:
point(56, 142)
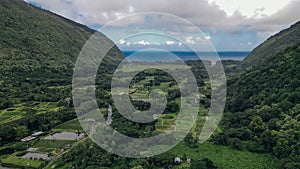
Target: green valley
point(39, 127)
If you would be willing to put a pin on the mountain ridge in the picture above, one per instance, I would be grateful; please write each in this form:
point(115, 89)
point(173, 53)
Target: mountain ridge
point(276, 43)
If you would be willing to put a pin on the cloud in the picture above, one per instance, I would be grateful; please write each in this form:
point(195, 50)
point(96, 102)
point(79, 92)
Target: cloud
point(170, 42)
point(142, 42)
point(122, 42)
point(282, 18)
point(250, 8)
point(190, 40)
point(209, 16)
point(207, 37)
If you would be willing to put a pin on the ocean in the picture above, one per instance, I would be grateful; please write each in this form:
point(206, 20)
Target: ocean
point(153, 56)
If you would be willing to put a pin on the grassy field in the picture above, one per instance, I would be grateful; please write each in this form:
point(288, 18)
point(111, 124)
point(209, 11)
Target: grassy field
point(71, 125)
point(165, 121)
point(60, 87)
point(225, 157)
point(51, 143)
point(20, 110)
point(46, 106)
point(15, 161)
point(11, 114)
point(222, 156)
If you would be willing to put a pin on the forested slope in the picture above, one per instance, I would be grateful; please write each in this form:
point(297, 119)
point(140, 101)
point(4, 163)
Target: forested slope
point(38, 50)
point(263, 109)
point(272, 45)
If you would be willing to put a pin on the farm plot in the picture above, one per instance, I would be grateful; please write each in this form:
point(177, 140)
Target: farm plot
point(51, 144)
point(15, 160)
point(72, 125)
point(20, 110)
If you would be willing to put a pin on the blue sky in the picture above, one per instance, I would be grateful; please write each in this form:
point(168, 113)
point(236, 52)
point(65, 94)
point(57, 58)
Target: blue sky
point(228, 25)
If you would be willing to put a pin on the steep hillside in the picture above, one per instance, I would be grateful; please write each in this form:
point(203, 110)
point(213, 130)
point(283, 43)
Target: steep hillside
point(38, 50)
point(272, 45)
point(33, 38)
point(263, 108)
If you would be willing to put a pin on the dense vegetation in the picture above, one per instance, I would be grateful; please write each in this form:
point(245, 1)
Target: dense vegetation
point(264, 108)
point(38, 50)
point(204, 156)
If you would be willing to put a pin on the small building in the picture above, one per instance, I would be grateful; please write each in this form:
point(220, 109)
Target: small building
point(177, 160)
point(189, 160)
point(36, 156)
point(66, 136)
point(36, 134)
point(27, 139)
point(155, 116)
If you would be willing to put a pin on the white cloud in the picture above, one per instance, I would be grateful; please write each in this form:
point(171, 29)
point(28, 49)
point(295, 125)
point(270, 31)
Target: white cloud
point(122, 41)
point(264, 17)
point(131, 9)
point(190, 40)
point(251, 8)
point(207, 37)
point(142, 42)
point(215, 15)
point(170, 42)
point(264, 35)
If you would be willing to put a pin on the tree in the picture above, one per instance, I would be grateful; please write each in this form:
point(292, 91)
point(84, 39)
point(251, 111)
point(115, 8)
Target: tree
point(203, 164)
point(172, 107)
point(294, 97)
point(138, 167)
point(257, 124)
point(20, 146)
point(266, 112)
point(165, 160)
point(7, 134)
point(5, 103)
point(282, 149)
point(191, 141)
point(21, 131)
point(235, 143)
